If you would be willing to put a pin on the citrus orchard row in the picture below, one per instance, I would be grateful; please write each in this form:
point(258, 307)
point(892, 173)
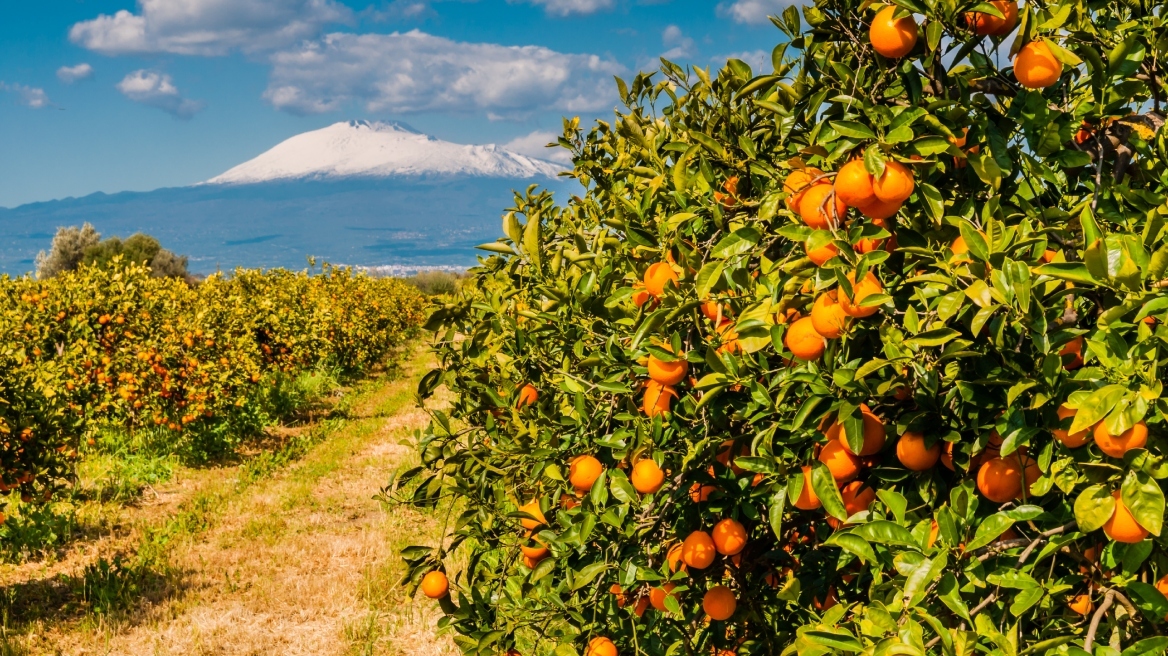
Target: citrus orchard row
point(860, 355)
point(114, 348)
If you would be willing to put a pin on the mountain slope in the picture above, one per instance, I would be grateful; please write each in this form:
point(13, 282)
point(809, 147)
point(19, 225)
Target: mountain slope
point(375, 150)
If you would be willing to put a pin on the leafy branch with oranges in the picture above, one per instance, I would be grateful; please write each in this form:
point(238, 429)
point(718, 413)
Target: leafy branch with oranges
point(862, 354)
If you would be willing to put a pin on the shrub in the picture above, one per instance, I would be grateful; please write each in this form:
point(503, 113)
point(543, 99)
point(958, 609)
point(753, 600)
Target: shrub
point(111, 350)
point(995, 305)
point(73, 247)
point(435, 283)
point(67, 251)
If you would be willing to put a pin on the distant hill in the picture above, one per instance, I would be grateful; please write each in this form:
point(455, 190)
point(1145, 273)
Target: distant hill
point(358, 193)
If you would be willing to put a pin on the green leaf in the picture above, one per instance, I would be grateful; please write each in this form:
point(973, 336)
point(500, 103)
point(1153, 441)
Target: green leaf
point(949, 592)
point(931, 338)
point(1097, 406)
point(709, 143)
point(829, 495)
point(736, 243)
point(1148, 599)
point(1076, 272)
point(975, 241)
point(854, 544)
point(1144, 499)
point(895, 502)
point(1156, 645)
point(837, 639)
point(852, 129)
point(990, 529)
point(886, 533)
point(708, 278)
point(775, 511)
point(1093, 507)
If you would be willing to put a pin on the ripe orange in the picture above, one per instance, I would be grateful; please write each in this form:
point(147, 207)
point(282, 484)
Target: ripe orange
point(895, 185)
point(869, 244)
point(528, 395)
point(843, 465)
point(657, 398)
point(601, 647)
point(892, 37)
point(827, 316)
point(867, 287)
point(1072, 441)
point(912, 452)
point(583, 472)
point(698, 551)
point(1122, 527)
point(947, 456)
point(729, 337)
point(858, 497)
point(959, 248)
point(804, 341)
point(1036, 67)
point(874, 436)
point(729, 537)
point(807, 499)
point(879, 209)
point(821, 255)
point(1000, 479)
point(820, 208)
point(657, 596)
point(1081, 604)
point(674, 558)
point(536, 553)
point(699, 493)
point(827, 601)
point(1117, 445)
point(798, 182)
point(934, 531)
point(668, 373)
point(714, 311)
point(986, 25)
point(1074, 349)
point(658, 276)
point(647, 477)
point(640, 296)
point(532, 508)
point(435, 585)
point(719, 603)
point(1162, 586)
point(853, 184)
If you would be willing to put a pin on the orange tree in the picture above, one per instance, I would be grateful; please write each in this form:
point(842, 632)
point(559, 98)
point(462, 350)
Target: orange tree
point(859, 355)
point(113, 351)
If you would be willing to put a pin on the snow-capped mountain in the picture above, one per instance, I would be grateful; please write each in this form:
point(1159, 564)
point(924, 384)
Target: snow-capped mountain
point(370, 194)
point(363, 149)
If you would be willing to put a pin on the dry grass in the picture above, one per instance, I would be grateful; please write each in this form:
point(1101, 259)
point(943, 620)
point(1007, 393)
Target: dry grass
point(303, 561)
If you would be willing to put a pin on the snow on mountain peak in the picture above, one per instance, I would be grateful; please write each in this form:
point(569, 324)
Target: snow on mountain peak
point(370, 149)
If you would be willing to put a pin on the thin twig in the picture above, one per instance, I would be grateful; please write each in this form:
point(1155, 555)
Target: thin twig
point(1042, 538)
point(1089, 641)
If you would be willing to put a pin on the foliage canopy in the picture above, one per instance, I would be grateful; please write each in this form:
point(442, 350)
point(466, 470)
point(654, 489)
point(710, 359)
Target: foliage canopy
point(1012, 301)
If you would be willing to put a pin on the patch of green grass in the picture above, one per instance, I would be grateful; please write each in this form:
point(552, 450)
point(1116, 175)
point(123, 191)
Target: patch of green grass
point(33, 530)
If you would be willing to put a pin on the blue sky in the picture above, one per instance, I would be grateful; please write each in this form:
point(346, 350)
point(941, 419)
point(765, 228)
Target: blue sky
point(113, 95)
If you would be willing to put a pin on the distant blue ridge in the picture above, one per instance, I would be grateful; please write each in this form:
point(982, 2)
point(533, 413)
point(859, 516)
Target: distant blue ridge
point(372, 222)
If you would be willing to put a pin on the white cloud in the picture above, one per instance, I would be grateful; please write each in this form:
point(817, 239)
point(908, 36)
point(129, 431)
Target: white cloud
point(418, 72)
point(208, 27)
point(759, 60)
point(71, 74)
point(571, 7)
point(157, 90)
point(535, 145)
point(755, 12)
point(680, 46)
point(27, 96)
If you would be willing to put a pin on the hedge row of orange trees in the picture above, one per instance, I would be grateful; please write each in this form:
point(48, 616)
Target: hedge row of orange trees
point(113, 348)
point(863, 353)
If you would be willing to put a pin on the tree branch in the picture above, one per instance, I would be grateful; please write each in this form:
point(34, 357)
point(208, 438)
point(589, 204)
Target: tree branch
point(1042, 538)
point(1089, 641)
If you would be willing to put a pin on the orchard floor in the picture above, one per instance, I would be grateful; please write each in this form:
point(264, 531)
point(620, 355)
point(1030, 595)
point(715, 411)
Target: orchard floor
point(277, 555)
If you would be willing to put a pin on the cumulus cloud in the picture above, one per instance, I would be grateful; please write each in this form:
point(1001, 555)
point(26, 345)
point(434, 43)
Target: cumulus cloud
point(570, 7)
point(759, 60)
point(157, 90)
point(208, 27)
point(535, 145)
point(418, 72)
point(71, 74)
point(27, 96)
point(754, 12)
point(680, 46)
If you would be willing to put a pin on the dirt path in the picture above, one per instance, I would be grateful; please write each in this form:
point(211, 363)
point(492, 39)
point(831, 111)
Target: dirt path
point(301, 560)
